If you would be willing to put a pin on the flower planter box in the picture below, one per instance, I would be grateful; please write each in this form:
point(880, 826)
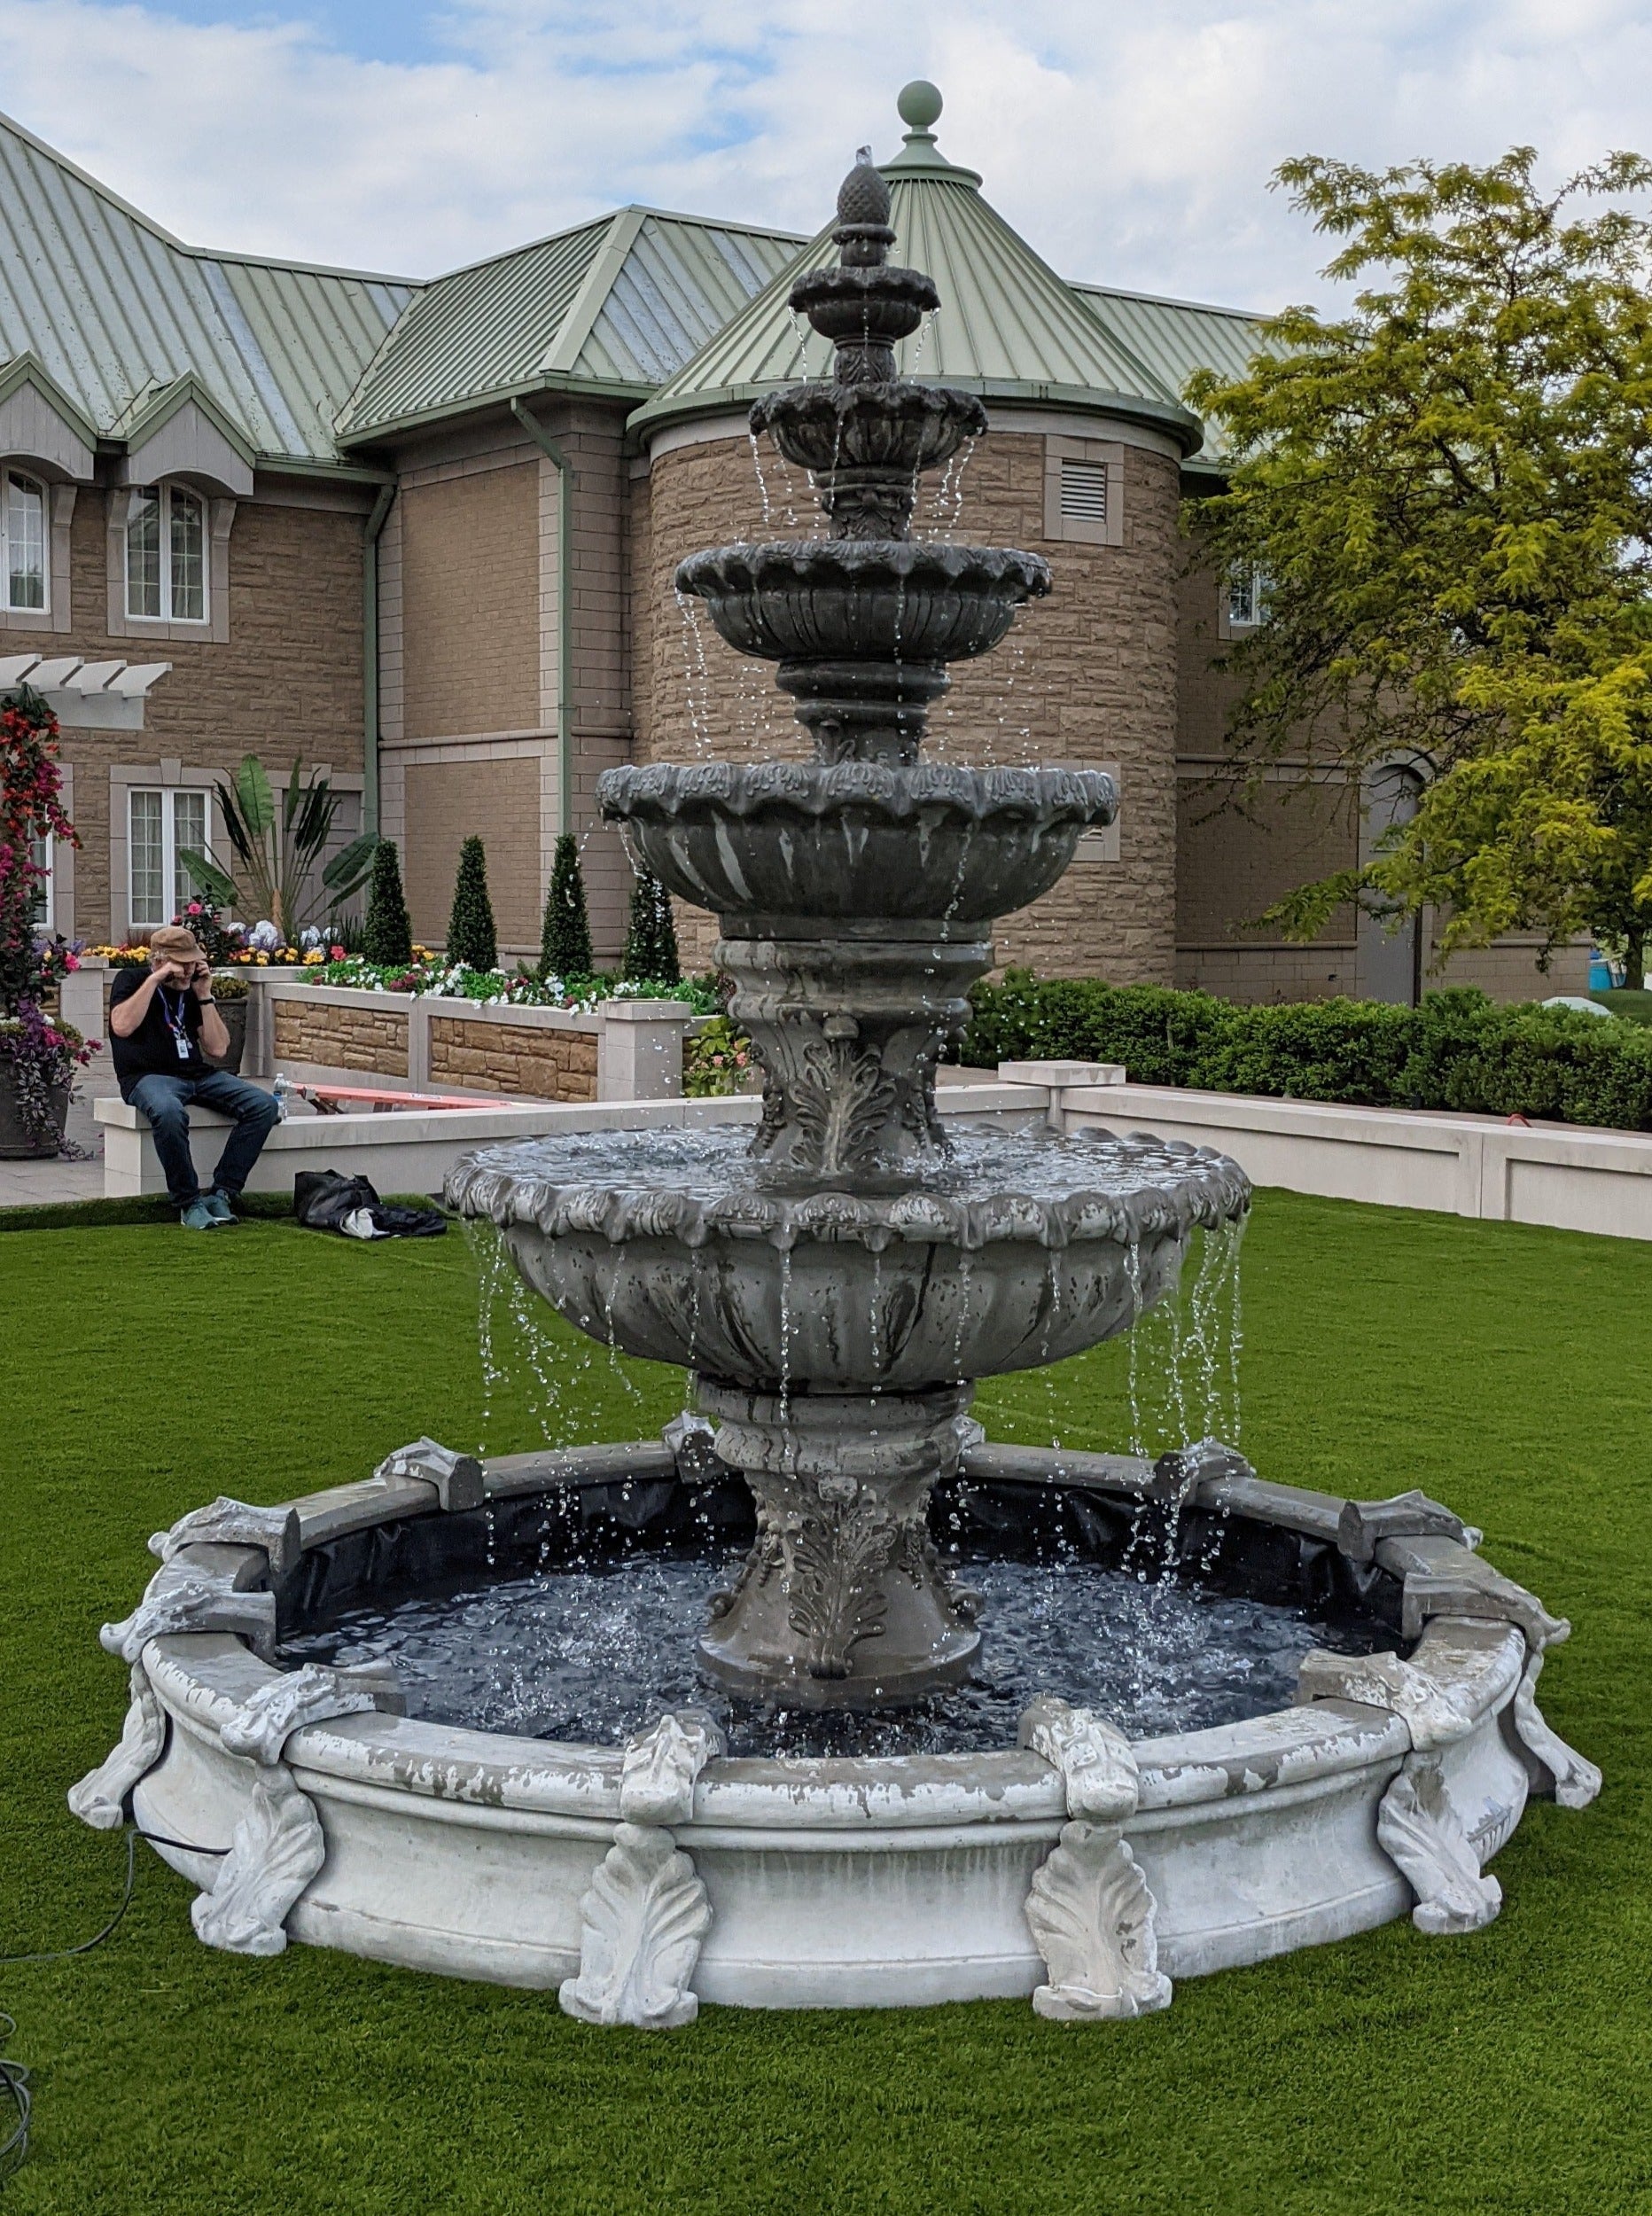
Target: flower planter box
point(19, 1142)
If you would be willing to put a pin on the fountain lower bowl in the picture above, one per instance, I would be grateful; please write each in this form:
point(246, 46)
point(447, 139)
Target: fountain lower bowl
point(853, 839)
point(662, 1244)
point(869, 1880)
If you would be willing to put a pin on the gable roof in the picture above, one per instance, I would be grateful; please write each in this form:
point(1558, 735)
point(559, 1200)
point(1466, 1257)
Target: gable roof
point(115, 310)
point(614, 306)
point(1007, 326)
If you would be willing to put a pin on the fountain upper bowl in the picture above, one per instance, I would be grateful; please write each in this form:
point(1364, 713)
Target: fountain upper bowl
point(863, 600)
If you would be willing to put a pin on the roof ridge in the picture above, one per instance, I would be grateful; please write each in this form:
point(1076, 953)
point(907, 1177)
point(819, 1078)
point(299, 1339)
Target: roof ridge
point(1169, 299)
point(157, 229)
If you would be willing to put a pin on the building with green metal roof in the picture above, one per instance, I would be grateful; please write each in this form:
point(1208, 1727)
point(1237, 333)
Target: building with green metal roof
point(423, 531)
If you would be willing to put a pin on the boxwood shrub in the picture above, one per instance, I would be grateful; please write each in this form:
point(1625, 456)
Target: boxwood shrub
point(1456, 1051)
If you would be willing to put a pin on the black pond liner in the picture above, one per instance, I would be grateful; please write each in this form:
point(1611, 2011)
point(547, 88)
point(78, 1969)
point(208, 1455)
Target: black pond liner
point(572, 1613)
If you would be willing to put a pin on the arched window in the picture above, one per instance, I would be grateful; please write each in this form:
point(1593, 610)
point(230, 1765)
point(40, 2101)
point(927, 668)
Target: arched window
point(166, 554)
point(23, 527)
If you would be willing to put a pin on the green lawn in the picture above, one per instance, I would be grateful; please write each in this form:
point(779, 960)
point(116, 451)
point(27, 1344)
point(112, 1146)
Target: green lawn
point(1498, 1367)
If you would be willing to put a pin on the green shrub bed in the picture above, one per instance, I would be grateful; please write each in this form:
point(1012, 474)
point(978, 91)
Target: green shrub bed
point(1456, 1051)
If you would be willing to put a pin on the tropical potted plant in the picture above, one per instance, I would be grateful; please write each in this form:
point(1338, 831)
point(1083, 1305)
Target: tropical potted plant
point(38, 1058)
point(277, 847)
point(230, 991)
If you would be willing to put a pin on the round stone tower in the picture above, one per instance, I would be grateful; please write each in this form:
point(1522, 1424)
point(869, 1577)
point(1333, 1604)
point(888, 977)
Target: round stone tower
point(1082, 465)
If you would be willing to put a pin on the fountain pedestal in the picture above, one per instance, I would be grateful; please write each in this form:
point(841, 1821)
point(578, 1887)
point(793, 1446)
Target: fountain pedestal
point(842, 1601)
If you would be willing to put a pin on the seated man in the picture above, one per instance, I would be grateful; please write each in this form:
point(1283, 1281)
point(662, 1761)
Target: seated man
point(159, 1019)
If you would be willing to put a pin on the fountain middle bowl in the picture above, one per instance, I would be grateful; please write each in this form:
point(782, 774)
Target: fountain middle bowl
point(1030, 1249)
point(876, 600)
point(853, 839)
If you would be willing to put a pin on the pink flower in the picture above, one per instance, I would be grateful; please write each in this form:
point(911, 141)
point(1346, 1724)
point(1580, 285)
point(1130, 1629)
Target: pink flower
point(71, 961)
point(337, 953)
point(194, 907)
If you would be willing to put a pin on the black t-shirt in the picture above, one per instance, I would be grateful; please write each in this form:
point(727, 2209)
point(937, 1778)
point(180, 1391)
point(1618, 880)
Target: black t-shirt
point(152, 1047)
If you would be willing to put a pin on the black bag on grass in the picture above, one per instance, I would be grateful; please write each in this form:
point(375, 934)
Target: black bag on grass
point(326, 1200)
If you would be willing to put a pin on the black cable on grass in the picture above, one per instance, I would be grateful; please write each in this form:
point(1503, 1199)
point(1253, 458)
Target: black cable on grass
point(14, 2089)
point(13, 2074)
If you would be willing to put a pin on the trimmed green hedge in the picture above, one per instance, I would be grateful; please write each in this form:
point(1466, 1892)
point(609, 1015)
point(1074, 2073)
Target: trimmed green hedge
point(1456, 1051)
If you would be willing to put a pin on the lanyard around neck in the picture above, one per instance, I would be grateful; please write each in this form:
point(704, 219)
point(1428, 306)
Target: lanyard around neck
point(178, 1024)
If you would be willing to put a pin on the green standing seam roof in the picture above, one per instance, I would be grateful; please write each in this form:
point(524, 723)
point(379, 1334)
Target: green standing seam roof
point(1007, 327)
point(616, 305)
point(1179, 337)
point(116, 310)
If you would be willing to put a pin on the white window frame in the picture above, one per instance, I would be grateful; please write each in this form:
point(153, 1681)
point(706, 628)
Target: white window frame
point(8, 476)
point(164, 494)
point(44, 854)
point(1251, 588)
point(169, 865)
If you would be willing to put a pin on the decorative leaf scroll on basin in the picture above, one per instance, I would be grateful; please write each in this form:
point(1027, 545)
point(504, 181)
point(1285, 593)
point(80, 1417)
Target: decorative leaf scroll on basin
point(933, 842)
point(875, 600)
point(866, 445)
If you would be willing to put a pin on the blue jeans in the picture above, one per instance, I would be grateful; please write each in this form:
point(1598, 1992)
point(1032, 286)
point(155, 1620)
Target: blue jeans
point(165, 1100)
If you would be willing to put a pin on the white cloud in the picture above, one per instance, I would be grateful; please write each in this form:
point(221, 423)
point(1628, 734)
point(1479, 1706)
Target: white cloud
point(1130, 144)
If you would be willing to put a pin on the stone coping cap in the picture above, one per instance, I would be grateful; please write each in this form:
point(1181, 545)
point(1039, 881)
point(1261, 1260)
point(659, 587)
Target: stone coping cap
point(1060, 1073)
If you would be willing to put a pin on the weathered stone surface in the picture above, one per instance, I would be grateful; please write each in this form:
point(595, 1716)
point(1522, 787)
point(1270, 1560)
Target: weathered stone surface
point(315, 1693)
point(276, 1849)
point(456, 1476)
point(1418, 1825)
point(1179, 1475)
point(692, 1445)
point(1096, 1761)
point(100, 1797)
point(1444, 1578)
point(1555, 1768)
point(661, 1765)
point(643, 1923)
point(232, 1523)
point(181, 1599)
point(1433, 1716)
point(1092, 1916)
point(1364, 1524)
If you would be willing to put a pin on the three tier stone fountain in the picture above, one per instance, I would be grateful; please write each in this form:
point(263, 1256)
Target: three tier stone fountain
point(835, 1285)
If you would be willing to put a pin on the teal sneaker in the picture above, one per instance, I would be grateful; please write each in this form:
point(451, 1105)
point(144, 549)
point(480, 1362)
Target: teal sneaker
point(217, 1206)
point(198, 1217)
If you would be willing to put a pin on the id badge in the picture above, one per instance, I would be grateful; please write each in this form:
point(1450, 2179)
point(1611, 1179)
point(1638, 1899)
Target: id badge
point(183, 1047)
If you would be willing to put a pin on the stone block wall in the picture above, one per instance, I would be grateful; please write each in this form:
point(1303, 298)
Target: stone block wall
point(517, 1058)
point(286, 683)
point(1086, 676)
point(371, 1040)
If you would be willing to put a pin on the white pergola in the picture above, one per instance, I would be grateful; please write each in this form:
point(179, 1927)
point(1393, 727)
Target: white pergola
point(88, 696)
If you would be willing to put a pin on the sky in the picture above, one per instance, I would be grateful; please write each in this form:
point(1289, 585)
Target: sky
point(1130, 141)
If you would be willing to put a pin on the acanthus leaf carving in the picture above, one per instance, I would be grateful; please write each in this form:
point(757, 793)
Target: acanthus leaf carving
point(641, 1925)
point(1096, 1761)
point(99, 1799)
point(277, 1847)
point(1091, 1915)
point(315, 1694)
point(840, 1100)
point(662, 1763)
point(1555, 1767)
point(1419, 1829)
point(836, 1597)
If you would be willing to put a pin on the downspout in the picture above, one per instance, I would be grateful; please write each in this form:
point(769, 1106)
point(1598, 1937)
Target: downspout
point(564, 468)
point(370, 654)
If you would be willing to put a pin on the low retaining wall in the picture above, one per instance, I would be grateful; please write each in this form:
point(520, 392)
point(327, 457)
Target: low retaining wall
point(622, 1049)
point(1569, 1178)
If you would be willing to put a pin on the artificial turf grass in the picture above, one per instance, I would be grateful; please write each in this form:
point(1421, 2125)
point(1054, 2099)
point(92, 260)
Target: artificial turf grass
point(1384, 1349)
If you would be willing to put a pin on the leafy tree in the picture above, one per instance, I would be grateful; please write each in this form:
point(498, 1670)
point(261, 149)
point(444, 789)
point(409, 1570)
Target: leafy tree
point(651, 940)
point(471, 938)
point(1450, 492)
point(564, 946)
point(387, 936)
point(277, 847)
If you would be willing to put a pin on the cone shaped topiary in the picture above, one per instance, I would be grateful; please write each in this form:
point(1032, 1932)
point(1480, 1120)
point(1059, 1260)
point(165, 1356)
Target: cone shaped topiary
point(472, 940)
point(651, 940)
point(564, 946)
point(388, 934)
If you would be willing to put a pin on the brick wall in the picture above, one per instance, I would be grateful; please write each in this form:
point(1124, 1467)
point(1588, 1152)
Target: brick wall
point(495, 801)
point(286, 682)
point(1231, 866)
point(520, 1059)
point(371, 1040)
point(1087, 676)
point(470, 616)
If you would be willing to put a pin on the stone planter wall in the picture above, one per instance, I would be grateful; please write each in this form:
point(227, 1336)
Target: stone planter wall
point(513, 1057)
point(372, 1039)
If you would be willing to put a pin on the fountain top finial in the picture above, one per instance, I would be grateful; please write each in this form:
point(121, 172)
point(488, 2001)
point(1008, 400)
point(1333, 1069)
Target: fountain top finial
point(863, 234)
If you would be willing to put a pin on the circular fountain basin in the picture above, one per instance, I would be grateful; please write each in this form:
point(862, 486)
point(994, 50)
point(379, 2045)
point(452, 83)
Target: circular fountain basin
point(874, 1878)
point(833, 429)
point(888, 601)
point(854, 839)
point(1030, 1249)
